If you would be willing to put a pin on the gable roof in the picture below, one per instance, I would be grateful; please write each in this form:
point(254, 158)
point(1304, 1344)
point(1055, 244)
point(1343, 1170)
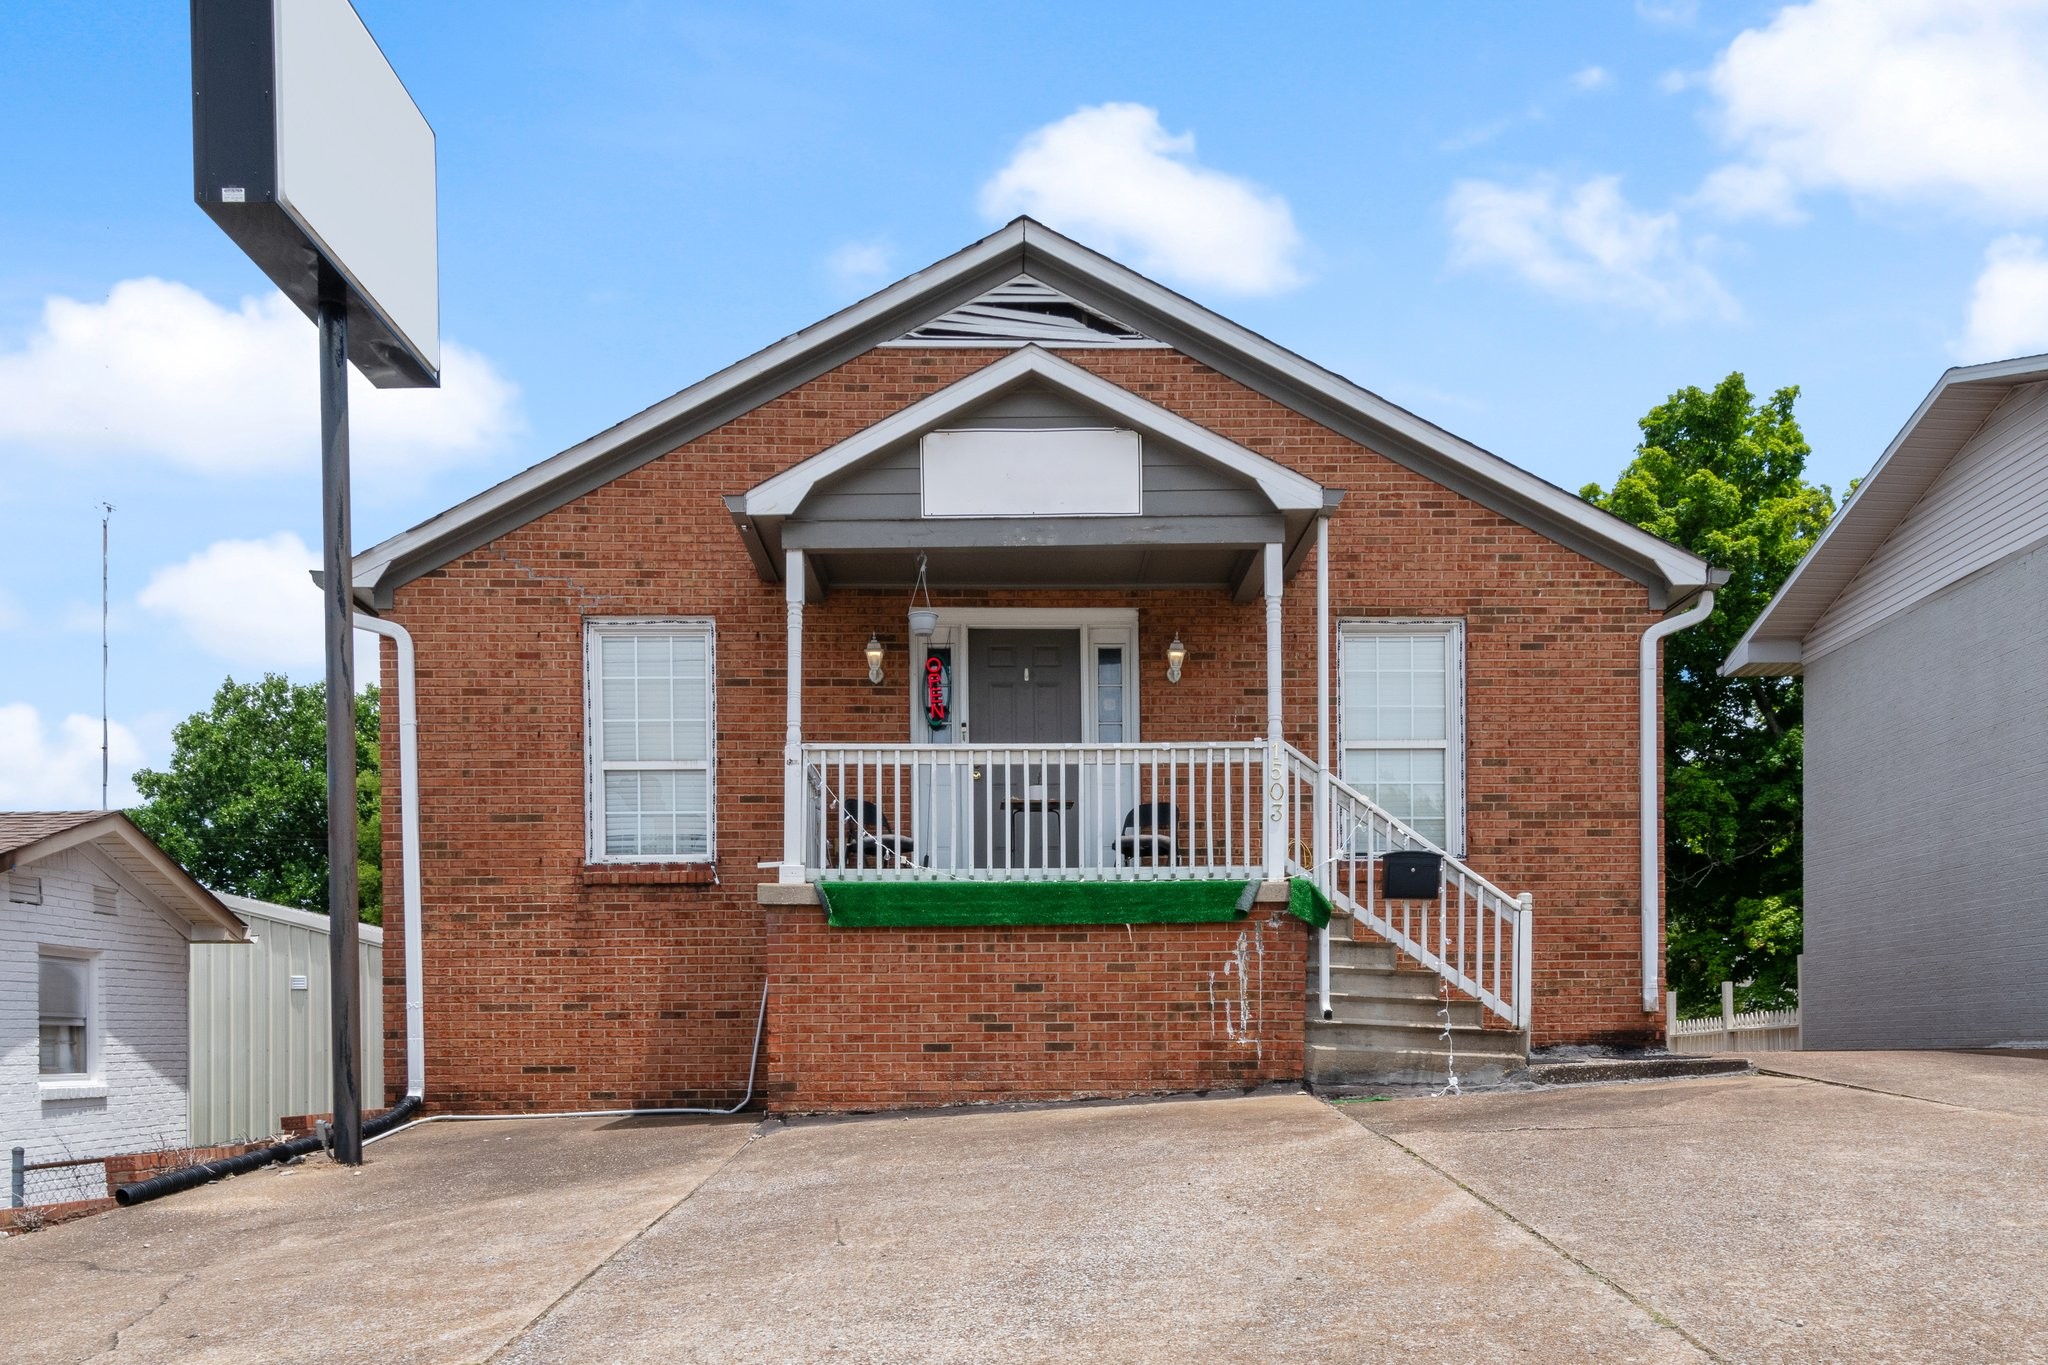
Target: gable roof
point(1951, 414)
point(27, 837)
point(785, 492)
point(1098, 285)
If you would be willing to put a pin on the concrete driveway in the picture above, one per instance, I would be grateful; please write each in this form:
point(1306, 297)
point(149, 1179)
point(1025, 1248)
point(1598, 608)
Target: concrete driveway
point(1858, 1206)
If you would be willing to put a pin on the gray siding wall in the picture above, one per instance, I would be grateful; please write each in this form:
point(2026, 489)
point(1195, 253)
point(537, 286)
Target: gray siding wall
point(1990, 502)
point(1927, 822)
point(1177, 483)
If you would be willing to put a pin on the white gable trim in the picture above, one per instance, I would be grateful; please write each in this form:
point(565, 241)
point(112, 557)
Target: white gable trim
point(783, 494)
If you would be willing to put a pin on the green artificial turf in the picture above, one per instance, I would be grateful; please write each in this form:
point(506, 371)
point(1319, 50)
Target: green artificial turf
point(1306, 901)
point(859, 905)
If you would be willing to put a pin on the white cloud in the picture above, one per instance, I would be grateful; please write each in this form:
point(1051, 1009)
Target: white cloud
point(2009, 306)
point(1592, 78)
point(1739, 190)
point(1675, 82)
point(858, 265)
point(161, 371)
point(57, 767)
point(1938, 99)
point(1111, 175)
point(1676, 13)
point(1584, 243)
point(251, 603)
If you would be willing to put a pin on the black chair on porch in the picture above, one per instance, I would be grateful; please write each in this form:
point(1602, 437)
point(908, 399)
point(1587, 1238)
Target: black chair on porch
point(869, 841)
point(1148, 835)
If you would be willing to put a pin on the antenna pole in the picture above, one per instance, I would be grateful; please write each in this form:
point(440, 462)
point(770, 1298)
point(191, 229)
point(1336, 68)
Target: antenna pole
point(106, 516)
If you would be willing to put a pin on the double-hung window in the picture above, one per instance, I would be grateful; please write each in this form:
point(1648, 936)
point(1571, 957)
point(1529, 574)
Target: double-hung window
point(1401, 733)
point(650, 687)
point(64, 999)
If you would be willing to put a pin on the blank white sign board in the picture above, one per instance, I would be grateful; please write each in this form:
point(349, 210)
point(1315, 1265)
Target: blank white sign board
point(355, 164)
point(1065, 472)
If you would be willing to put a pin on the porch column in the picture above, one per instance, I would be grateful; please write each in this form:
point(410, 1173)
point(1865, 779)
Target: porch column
point(792, 869)
point(1324, 865)
point(1276, 763)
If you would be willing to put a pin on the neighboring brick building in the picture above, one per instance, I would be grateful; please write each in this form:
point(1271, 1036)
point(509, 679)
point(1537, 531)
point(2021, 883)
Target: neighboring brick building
point(623, 826)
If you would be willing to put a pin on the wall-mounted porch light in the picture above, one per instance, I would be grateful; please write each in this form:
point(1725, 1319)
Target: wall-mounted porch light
point(874, 653)
point(1176, 655)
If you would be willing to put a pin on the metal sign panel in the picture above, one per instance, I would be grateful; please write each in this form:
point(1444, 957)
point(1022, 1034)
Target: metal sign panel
point(1040, 472)
point(306, 147)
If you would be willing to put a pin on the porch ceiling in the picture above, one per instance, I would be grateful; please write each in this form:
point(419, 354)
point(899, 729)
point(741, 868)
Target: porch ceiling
point(1169, 566)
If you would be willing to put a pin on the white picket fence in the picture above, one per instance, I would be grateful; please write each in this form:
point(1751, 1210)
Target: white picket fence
point(1753, 1031)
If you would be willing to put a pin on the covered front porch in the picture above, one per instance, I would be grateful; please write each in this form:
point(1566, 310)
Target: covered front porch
point(1024, 754)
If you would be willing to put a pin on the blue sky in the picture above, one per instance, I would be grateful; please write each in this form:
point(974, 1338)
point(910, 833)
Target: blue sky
point(1527, 223)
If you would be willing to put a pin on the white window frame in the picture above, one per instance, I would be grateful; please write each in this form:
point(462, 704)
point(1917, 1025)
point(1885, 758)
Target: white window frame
point(1453, 743)
point(67, 1084)
point(595, 630)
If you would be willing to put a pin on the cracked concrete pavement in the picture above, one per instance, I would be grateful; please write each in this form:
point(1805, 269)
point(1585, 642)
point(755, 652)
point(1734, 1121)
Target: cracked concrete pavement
point(1852, 1206)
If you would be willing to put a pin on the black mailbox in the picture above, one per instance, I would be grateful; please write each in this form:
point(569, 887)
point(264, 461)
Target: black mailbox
point(1413, 876)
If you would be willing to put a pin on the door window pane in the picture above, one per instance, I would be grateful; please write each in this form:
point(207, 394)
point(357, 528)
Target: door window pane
point(1109, 695)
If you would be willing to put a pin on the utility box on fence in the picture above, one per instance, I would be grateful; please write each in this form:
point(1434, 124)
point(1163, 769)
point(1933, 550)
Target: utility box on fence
point(1413, 876)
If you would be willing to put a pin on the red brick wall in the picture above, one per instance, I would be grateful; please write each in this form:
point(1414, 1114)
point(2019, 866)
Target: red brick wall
point(886, 1018)
point(550, 985)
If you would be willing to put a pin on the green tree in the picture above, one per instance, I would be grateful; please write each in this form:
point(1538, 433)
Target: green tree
point(244, 803)
point(1724, 475)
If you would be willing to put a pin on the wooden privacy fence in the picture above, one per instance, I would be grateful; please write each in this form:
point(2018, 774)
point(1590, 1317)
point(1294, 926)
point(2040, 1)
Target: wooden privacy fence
point(1754, 1031)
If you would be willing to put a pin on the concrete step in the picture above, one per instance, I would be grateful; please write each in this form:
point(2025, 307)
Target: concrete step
point(1383, 983)
point(1346, 952)
point(1373, 1009)
point(1335, 1067)
point(1393, 1035)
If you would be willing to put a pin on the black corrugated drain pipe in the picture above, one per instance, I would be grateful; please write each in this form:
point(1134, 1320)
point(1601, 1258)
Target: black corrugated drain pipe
point(186, 1177)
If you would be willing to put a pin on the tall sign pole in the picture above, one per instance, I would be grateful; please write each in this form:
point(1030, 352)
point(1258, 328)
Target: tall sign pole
point(308, 152)
point(337, 591)
point(106, 658)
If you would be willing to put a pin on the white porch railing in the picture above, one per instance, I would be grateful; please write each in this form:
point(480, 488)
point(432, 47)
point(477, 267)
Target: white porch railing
point(1474, 935)
point(1138, 812)
point(1067, 812)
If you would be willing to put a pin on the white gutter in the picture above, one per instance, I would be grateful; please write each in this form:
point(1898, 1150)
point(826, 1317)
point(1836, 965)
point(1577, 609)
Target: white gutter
point(1653, 883)
point(409, 848)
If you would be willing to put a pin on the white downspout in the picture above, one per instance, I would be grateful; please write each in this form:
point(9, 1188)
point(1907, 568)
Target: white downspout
point(1650, 751)
point(409, 847)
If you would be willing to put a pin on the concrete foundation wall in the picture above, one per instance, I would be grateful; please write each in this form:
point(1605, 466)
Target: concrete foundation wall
point(1927, 820)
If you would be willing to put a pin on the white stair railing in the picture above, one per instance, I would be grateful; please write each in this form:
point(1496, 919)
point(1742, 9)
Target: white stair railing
point(1474, 935)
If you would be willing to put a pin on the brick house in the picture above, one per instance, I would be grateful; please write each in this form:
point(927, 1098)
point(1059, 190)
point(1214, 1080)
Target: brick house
point(978, 672)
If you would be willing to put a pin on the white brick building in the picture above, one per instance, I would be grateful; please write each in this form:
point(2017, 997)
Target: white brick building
point(94, 926)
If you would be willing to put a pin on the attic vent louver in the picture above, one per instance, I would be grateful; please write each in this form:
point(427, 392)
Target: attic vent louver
point(1024, 311)
point(24, 889)
point(104, 900)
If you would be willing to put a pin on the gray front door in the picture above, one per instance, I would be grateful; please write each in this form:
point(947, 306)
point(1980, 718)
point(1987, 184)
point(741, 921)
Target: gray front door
point(1024, 688)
